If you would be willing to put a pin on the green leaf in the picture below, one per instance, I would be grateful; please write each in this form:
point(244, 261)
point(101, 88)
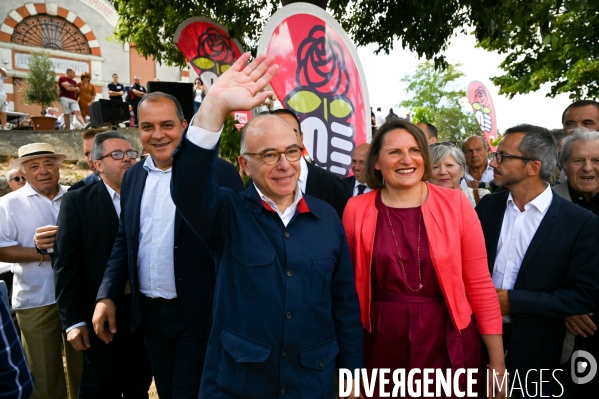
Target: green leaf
point(340, 108)
point(203, 63)
point(304, 102)
point(225, 68)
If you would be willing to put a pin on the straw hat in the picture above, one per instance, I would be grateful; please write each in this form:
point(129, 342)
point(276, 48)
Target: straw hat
point(35, 151)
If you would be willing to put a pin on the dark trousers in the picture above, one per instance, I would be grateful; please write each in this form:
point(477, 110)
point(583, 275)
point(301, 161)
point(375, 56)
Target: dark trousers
point(134, 105)
point(176, 356)
point(121, 367)
point(534, 388)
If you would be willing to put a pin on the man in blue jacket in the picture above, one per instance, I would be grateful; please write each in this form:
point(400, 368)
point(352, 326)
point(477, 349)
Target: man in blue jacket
point(286, 313)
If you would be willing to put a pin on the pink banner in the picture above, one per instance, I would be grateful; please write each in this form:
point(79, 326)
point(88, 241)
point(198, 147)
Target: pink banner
point(484, 110)
point(208, 48)
point(321, 80)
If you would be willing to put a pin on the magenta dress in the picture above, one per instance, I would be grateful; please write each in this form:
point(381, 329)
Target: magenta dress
point(412, 329)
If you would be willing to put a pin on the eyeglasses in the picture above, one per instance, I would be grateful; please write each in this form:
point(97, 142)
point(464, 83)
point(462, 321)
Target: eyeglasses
point(445, 143)
point(273, 157)
point(499, 156)
point(85, 77)
point(18, 179)
point(120, 155)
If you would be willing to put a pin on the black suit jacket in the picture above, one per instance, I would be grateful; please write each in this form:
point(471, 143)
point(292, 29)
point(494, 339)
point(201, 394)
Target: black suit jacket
point(87, 227)
point(350, 183)
point(559, 277)
point(328, 187)
point(195, 275)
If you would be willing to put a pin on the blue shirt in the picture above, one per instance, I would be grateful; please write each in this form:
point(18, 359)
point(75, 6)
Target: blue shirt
point(16, 381)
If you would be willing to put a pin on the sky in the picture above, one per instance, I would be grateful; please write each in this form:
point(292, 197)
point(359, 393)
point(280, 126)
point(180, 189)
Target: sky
point(383, 73)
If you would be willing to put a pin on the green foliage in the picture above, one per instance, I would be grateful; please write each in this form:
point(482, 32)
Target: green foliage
point(546, 41)
point(42, 88)
point(434, 96)
point(230, 141)
point(151, 24)
point(423, 114)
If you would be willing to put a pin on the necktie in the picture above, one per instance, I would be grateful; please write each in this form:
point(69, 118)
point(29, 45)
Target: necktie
point(361, 188)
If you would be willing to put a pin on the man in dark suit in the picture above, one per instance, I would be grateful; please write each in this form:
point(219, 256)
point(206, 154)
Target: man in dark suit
point(542, 256)
point(356, 184)
point(286, 312)
point(314, 181)
point(87, 226)
point(170, 270)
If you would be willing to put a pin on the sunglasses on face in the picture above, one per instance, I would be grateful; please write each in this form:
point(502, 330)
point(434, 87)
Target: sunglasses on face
point(18, 179)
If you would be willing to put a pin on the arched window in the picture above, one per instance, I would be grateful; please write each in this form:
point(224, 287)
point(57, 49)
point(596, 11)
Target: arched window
point(50, 32)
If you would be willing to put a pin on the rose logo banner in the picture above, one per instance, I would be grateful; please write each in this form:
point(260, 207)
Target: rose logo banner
point(210, 51)
point(483, 109)
point(320, 79)
point(207, 46)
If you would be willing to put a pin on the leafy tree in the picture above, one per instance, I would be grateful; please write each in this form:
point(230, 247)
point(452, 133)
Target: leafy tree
point(546, 41)
point(230, 145)
point(41, 81)
point(434, 96)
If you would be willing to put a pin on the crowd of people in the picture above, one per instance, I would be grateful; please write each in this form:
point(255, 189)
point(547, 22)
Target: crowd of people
point(431, 255)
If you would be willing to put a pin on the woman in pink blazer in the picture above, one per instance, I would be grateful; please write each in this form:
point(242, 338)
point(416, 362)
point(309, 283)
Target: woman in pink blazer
point(425, 291)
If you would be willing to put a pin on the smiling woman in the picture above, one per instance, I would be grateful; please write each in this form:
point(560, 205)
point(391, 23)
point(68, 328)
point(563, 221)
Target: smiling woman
point(401, 257)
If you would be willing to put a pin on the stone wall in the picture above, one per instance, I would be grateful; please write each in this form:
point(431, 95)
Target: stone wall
point(63, 141)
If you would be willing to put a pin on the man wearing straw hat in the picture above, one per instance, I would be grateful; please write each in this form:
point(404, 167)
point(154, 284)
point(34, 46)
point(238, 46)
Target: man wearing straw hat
point(27, 230)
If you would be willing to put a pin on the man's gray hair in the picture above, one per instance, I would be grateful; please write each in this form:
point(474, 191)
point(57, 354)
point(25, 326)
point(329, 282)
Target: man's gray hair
point(479, 137)
point(157, 95)
point(538, 143)
point(100, 138)
point(11, 173)
point(440, 152)
point(582, 134)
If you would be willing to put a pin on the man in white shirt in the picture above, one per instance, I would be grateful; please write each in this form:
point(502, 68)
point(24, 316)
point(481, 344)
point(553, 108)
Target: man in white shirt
point(87, 227)
point(356, 184)
point(169, 268)
point(33, 285)
point(379, 118)
point(479, 173)
point(542, 254)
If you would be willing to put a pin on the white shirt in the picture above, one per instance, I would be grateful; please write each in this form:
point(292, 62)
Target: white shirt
point(2, 90)
point(155, 259)
point(517, 230)
point(355, 192)
point(303, 177)
point(116, 199)
point(21, 213)
point(208, 140)
point(379, 118)
point(487, 176)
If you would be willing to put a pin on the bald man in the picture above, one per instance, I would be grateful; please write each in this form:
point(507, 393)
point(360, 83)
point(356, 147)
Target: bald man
point(478, 174)
point(356, 184)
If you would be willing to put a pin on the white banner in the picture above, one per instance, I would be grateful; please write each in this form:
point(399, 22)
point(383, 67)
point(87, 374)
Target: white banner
point(104, 9)
point(60, 65)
